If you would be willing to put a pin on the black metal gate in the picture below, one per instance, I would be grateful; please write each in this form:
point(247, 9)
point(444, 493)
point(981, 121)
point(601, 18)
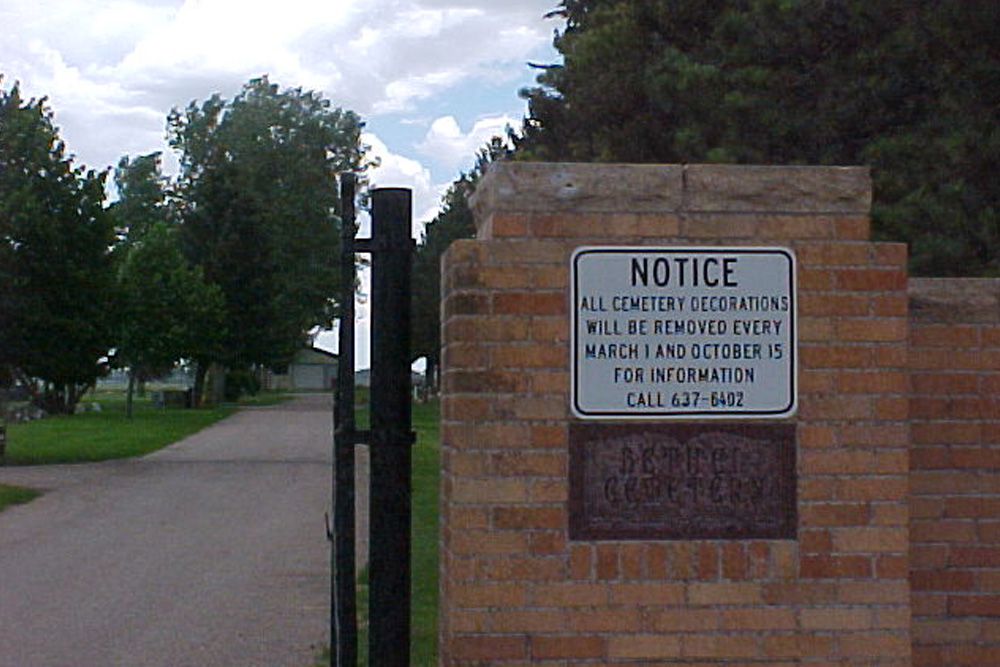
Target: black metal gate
point(390, 436)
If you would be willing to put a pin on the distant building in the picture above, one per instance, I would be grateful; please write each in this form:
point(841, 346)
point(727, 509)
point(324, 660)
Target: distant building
point(310, 369)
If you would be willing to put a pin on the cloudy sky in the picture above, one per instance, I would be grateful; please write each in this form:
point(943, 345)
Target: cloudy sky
point(433, 79)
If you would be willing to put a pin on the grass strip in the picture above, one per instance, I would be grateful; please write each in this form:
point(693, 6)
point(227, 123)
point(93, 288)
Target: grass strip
point(424, 558)
point(15, 495)
point(424, 543)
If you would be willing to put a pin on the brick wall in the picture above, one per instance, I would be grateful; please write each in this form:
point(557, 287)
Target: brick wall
point(955, 479)
point(515, 590)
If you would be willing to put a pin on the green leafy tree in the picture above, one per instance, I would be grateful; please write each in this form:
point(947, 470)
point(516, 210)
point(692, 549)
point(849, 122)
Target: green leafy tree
point(454, 221)
point(912, 89)
point(167, 311)
point(56, 273)
point(258, 197)
point(142, 196)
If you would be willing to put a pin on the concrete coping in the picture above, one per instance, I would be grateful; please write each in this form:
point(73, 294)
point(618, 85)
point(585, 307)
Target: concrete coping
point(954, 300)
point(542, 187)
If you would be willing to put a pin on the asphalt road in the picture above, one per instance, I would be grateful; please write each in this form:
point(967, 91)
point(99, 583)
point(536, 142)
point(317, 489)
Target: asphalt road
point(209, 552)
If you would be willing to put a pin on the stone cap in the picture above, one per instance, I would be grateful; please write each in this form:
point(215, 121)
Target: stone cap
point(954, 300)
point(551, 187)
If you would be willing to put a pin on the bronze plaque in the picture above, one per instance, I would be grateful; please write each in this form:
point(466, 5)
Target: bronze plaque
point(682, 481)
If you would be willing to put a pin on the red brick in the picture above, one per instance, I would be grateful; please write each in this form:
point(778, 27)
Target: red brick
point(547, 542)
point(944, 631)
point(569, 595)
point(800, 592)
point(890, 305)
point(707, 561)
point(944, 335)
point(725, 593)
point(656, 561)
point(870, 279)
point(943, 383)
point(815, 541)
point(797, 646)
point(972, 507)
point(581, 559)
point(831, 356)
point(875, 330)
point(974, 605)
point(647, 593)
point(759, 556)
point(929, 556)
point(886, 591)
point(527, 464)
point(943, 531)
point(525, 620)
point(834, 567)
point(734, 561)
point(874, 644)
point(489, 648)
point(874, 488)
point(603, 619)
point(834, 514)
point(930, 457)
point(872, 382)
point(976, 457)
point(632, 561)
point(530, 303)
point(892, 254)
point(524, 518)
point(836, 304)
point(545, 436)
point(684, 620)
point(607, 561)
point(975, 556)
point(942, 580)
point(574, 646)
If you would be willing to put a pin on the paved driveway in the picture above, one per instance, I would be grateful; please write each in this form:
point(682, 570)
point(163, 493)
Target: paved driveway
point(209, 552)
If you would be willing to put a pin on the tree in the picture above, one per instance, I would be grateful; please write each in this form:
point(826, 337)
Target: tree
point(258, 200)
point(912, 89)
point(167, 311)
point(55, 265)
point(455, 221)
point(142, 196)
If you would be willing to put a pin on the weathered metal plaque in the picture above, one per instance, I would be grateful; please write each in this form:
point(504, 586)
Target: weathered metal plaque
point(634, 481)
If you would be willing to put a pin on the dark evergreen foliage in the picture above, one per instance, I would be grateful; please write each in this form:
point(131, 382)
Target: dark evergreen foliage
point(910, 88)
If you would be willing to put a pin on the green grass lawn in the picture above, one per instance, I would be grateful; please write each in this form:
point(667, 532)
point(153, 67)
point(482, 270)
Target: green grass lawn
point(99, 436)
point(15, 495)
point(426, 481)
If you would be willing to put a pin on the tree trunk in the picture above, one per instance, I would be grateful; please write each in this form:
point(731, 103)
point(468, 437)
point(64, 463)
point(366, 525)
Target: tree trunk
point(201, 370)
point(128, 394)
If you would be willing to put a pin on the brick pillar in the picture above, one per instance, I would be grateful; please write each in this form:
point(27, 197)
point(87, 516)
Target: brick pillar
point(955, 471)
point(515, 589)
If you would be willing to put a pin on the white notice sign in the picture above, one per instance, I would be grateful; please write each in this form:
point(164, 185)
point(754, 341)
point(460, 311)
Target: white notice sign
point(683, 332)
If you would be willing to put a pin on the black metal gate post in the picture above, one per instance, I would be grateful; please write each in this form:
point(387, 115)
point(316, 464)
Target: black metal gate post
point(391, 434)
point(343, 614)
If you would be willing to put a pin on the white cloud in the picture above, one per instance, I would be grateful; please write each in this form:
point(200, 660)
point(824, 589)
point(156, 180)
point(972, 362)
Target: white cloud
point(448, 145)
point(397, 171)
